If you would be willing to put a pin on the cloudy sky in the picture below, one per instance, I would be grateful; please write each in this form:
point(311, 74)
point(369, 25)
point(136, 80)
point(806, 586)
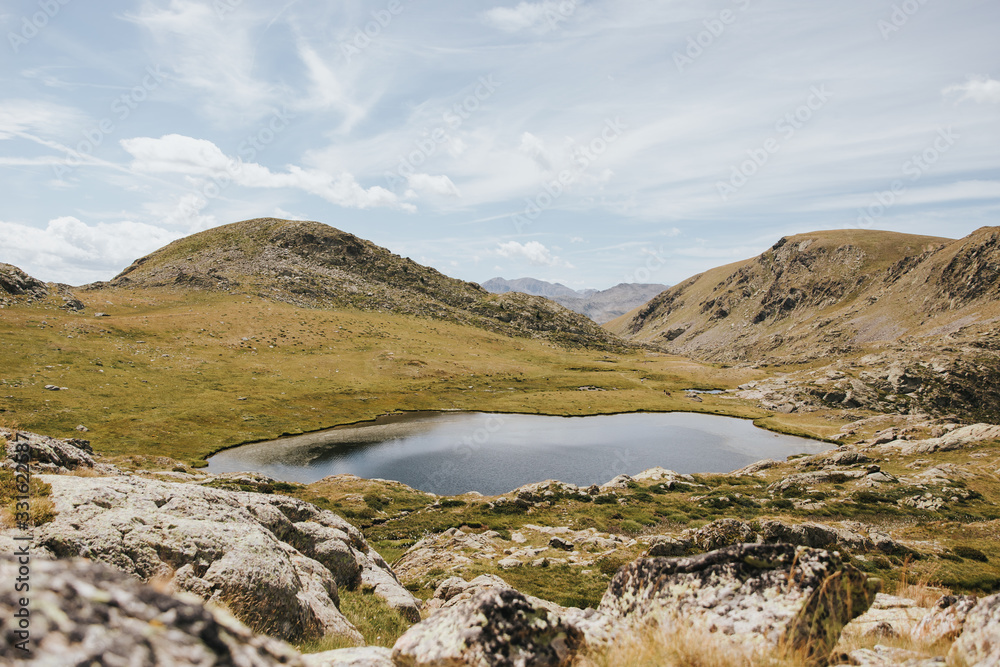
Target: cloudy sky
point(585, 141)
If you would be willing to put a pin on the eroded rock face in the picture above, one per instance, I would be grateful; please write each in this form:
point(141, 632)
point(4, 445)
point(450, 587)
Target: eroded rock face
point(275, 561)
point(765, 595)
point(85, 613)
point(945, 621)
point(979, 643)
point(496, 627)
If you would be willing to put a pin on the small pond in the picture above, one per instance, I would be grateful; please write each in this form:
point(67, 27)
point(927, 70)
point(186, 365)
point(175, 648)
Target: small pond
point(449, 453)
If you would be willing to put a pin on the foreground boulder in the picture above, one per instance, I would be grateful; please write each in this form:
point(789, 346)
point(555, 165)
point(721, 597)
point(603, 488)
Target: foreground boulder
point(762, 595)
point(85, 613)
point(276, 561)
point(494, 627)
point(979, 643)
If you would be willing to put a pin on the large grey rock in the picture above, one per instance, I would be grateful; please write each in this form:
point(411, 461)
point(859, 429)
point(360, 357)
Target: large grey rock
point(366, 656)
point(84, 613)
point(757, 595)
point(497, 627)
point(979, 643)
point(275, 561)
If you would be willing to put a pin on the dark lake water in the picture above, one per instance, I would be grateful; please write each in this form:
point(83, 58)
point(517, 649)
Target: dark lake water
point(453, 452)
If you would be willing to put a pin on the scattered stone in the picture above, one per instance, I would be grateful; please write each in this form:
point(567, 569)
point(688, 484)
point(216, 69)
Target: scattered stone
point(85, 613)
point(755, 468)
point(762, 595)
point(668, 547)
point(560, 543)
point(81, 428)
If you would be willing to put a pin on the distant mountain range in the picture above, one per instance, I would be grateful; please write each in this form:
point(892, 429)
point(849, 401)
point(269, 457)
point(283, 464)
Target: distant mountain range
point(599, 305)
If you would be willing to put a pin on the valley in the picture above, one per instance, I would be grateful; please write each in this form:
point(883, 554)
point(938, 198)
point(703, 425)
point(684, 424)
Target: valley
point(870, 343)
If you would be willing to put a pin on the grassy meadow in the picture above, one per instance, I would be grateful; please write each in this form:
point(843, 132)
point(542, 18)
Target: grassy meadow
point(186, 373)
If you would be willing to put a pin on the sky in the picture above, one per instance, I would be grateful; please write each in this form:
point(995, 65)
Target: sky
point(589, 142)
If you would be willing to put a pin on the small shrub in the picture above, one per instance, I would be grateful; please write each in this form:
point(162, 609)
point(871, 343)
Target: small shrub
point(610, 565)
point(970, 553)
point(606, 500)
point(452, 502)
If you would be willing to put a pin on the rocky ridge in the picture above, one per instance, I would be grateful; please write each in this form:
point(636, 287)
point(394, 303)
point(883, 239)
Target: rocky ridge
point(599, 305)
point(902, 323)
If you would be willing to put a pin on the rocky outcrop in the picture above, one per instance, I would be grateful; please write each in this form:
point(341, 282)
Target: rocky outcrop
point(85, 613)
point(495, 627)
point(238, 548)
point(979, 643)
point(764, 596)
point(726, 532)
point(959, 438)
point(47, 454)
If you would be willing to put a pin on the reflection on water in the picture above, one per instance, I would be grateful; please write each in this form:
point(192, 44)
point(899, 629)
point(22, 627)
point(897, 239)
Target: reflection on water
point(454, 452)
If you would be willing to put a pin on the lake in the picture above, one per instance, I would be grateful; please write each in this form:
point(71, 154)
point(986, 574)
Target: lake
point(449, 453)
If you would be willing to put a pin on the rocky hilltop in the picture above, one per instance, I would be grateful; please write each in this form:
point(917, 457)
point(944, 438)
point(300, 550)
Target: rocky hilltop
point(924, 310)
point(313, 265)
point(599, 305)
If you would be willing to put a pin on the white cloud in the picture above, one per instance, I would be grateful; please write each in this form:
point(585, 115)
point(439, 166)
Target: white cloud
point(539, 16)
point(981, 89)
point(70, 251)
point(576, 239)
point(436, 185)
point(175, 153)
point(533, 251)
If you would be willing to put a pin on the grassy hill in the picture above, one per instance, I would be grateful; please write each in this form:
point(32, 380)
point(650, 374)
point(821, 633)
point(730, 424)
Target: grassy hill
point(311, 264)
point(807, 293)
